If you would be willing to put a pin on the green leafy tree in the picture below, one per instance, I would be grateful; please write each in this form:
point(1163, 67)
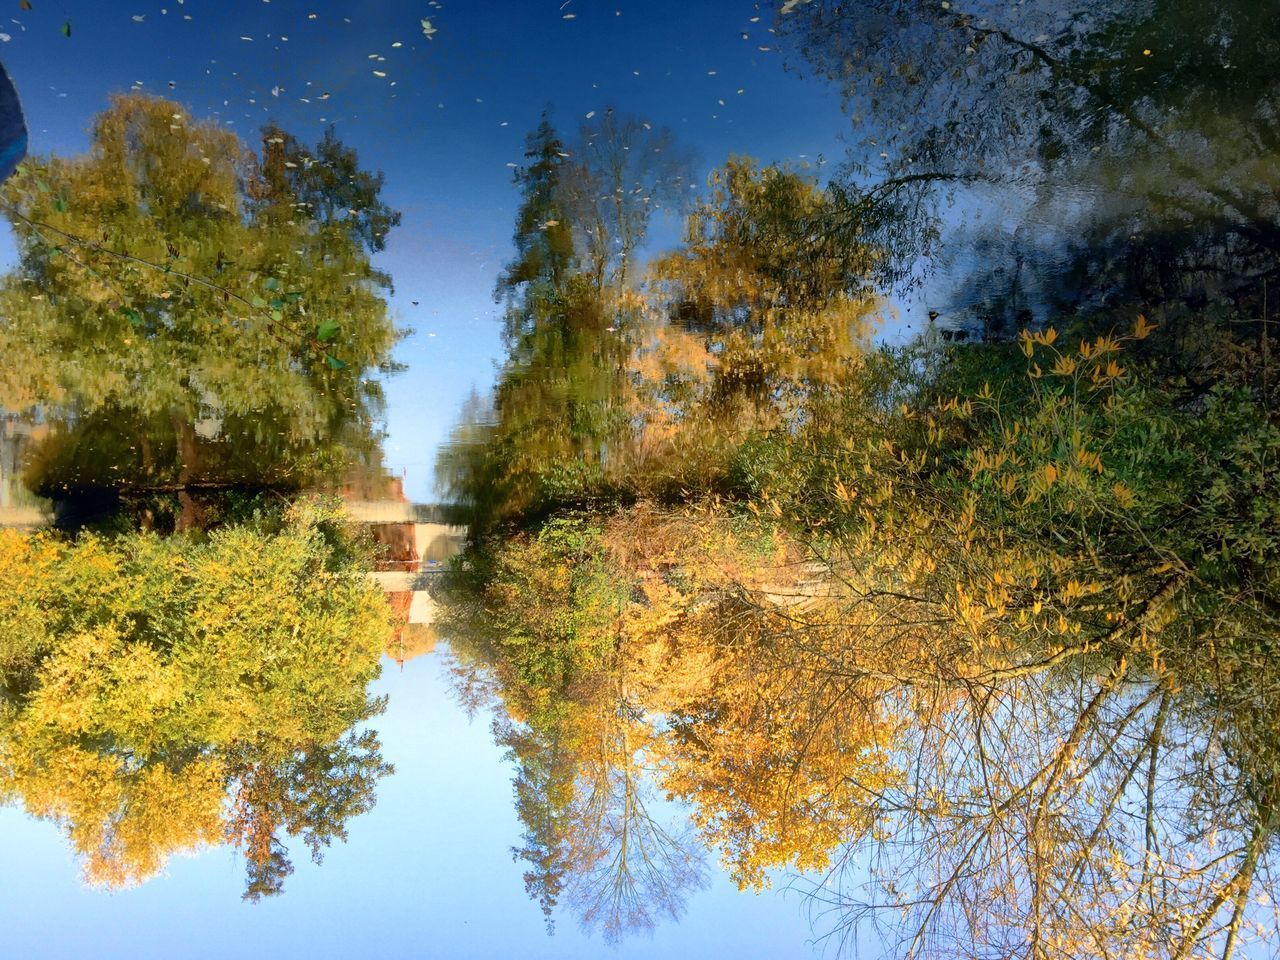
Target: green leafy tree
point(325, 185)
point(622, 170)
point(560, 398)
point(545, 257)
point(162, 286)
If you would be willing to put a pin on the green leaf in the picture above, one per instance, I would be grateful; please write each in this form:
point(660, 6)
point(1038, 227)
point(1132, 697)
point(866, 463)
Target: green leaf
point(60, 205)
point(334, 362)
point(327, 330)
point(132, 315)
point(293, 296)
point(277, 303)
point(66, 29)
point(258, 302)
point(271, 283)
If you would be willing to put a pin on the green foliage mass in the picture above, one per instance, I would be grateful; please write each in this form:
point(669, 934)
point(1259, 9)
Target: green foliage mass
point(189, 315)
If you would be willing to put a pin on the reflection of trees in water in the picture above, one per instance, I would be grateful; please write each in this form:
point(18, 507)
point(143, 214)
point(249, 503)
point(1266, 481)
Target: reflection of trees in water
point(164, 695)
point(196, 324)
point(193, 318)
point(584, 798)
point(1147, 129)
point(1062, 814)
point(978, 636)
point(17, 435)
point(550, 429)
point(982, 636)
point(626, 869)
point(939, 777)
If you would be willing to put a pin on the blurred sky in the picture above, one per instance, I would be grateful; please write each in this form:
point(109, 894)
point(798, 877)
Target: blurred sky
point(444, 123)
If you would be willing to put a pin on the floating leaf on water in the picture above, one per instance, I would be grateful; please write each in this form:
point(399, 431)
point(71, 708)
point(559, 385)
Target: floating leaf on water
point(334, 362)
point(327, 330)
point(66, 28)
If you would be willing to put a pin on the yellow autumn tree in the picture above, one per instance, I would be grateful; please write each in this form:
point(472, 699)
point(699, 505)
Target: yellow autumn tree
point(147, 682)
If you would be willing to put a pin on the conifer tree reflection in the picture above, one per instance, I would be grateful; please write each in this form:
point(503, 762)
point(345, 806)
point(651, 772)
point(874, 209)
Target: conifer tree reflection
point(550, 431)
point(584, 787)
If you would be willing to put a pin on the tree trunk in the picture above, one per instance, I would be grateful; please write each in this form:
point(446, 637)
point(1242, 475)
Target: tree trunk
point(189, 512)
